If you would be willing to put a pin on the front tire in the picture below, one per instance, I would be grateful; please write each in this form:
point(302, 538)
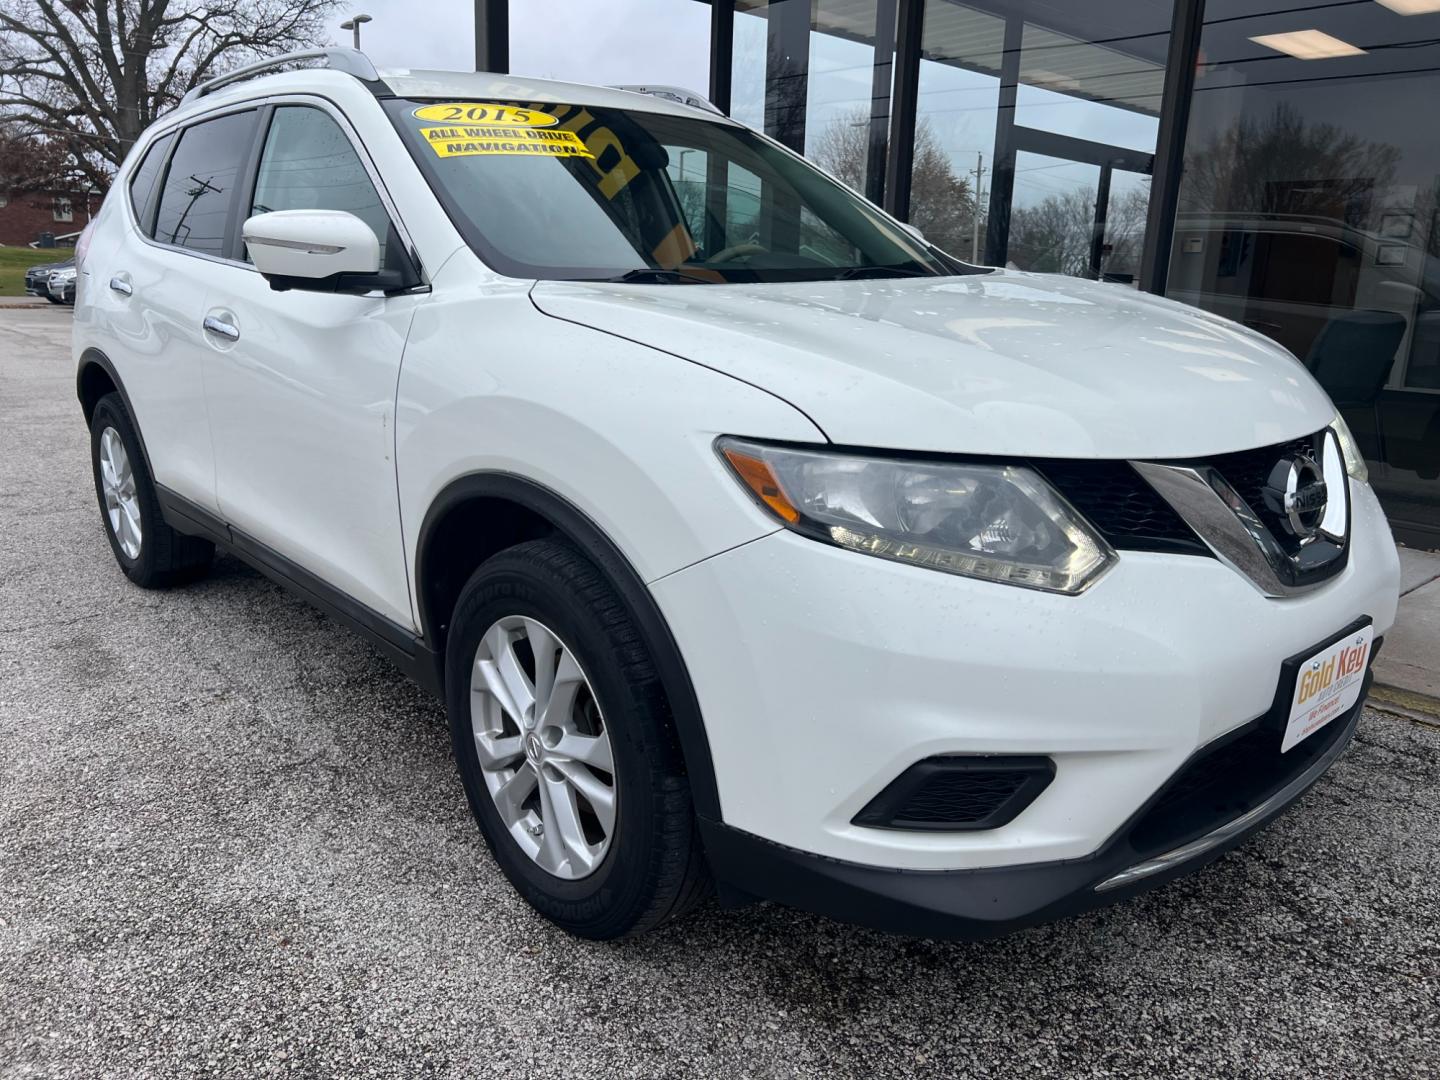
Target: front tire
point(152, 555)
point(565, 745)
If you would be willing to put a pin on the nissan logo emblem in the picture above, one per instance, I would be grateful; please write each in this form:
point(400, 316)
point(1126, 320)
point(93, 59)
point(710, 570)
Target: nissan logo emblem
point(1297, 494)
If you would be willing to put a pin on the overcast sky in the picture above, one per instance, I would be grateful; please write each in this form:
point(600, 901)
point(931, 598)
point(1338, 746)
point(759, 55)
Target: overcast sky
point(656, 41)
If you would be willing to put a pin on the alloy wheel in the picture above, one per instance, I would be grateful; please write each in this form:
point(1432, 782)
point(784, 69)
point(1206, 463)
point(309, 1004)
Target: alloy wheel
point(117, 481)
point(543, 747)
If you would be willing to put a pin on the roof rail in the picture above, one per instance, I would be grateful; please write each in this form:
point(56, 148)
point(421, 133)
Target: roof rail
point(350, 61)
point(675, 93)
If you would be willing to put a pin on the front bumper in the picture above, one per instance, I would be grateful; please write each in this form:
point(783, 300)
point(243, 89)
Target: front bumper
point(987, 902)
point(823, 674)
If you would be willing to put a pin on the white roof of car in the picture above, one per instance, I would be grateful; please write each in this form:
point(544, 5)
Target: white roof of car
point(484, 85)
point(451, 85)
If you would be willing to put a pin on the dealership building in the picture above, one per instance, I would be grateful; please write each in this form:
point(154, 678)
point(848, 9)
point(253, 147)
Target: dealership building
point(1274, 161)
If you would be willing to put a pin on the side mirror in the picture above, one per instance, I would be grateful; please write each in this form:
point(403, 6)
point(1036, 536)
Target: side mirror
point(320, 250)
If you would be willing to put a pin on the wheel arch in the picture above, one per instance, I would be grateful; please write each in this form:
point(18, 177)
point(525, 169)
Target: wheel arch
point(480, 514)
point(94, 378)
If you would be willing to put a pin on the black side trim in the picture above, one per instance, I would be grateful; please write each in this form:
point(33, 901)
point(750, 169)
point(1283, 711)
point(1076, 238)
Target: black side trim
point(590, 538)
point(403, 648)
point(958, 794)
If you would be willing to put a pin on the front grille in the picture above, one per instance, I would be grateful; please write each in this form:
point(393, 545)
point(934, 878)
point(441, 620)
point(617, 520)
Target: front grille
point(1124, 508)
point(1130, 514)
point(958, 793)
point(1248, 473)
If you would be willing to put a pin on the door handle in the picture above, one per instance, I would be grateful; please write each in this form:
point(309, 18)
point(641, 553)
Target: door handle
point(120, 285)
point(221, 327)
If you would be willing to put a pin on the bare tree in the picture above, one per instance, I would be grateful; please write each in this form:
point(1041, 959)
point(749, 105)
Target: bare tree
point(1280, 163)
point(94, 74)
point(940, 202)
point(31, 163)
point(1055, 235)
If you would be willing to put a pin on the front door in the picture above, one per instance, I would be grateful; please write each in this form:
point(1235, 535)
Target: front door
point(154, 298)
point(301, 385)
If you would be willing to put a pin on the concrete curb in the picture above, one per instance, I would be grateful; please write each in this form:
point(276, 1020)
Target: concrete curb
point(1421, 708)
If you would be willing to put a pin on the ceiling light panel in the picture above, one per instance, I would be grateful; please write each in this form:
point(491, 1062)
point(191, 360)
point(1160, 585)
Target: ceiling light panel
point(1308, 45)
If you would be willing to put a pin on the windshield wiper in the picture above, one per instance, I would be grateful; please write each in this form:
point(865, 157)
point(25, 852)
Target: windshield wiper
point(658, 276)
point(853, 272)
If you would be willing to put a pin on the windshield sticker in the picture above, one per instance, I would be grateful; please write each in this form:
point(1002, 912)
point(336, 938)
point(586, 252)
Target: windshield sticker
point(469, 141)
point(485, 112)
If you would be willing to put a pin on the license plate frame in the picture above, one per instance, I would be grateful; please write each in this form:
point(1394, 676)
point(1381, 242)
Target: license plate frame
point(1284, 709)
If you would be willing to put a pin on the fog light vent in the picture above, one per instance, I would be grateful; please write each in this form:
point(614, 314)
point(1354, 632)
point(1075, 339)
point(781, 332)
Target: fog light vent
point(958, 793)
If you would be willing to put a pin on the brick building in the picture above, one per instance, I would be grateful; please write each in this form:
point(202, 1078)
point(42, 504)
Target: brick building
point(24, 215)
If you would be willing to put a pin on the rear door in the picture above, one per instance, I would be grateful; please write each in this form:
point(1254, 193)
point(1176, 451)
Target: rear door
point(154, 291)
point(301, 384)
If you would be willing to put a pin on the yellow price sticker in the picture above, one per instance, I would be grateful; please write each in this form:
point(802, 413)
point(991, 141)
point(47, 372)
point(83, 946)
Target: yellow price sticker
point(470, 140)
point(483, 112)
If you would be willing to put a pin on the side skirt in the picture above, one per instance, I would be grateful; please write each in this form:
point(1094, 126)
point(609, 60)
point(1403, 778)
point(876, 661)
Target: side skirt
point(402, 647)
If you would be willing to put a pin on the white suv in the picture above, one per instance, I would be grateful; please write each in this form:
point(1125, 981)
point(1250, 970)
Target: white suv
point(754, 544)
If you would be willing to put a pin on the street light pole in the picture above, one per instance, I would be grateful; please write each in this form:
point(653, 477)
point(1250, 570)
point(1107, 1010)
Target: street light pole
point(353, 24)
point(682, 163)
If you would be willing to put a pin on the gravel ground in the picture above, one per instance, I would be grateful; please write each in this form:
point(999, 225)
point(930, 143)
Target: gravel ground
point(232, 842)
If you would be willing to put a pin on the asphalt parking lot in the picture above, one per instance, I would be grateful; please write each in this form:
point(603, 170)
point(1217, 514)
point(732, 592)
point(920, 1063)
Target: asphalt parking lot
point(232, 842)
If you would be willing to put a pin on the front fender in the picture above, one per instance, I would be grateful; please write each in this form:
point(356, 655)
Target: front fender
point(622, 432)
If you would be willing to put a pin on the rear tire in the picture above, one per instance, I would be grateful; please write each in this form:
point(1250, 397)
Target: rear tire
point(647, 867)
point(152, 555)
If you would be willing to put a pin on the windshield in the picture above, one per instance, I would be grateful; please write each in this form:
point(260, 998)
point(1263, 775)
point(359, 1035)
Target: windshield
point(590, 193)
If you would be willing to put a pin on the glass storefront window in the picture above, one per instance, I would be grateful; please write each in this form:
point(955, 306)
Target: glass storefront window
point(841, 100)
point(1089, 78)
point(1052, 219)
point(1308, 211)
point(804, 72)
point(771, 73)
point(958, 101)
point(1050, 113)
point(747, 70)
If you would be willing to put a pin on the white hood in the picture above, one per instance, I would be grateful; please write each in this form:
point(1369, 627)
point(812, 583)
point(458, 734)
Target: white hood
point(1007, 363)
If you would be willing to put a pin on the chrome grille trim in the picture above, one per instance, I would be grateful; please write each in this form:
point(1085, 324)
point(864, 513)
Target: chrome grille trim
point(1235, 533)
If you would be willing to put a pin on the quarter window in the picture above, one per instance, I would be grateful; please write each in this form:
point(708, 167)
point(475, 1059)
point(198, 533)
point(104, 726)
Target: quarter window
point(200, 184)
point(310, 164)
point(142, 182)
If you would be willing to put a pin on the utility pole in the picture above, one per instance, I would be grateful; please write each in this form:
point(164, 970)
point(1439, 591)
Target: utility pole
point(979, 174)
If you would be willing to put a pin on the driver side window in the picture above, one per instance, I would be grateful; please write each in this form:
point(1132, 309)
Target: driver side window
point(309, 164)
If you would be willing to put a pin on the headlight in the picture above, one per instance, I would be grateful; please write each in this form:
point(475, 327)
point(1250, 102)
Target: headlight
point(996, 522)
point(1354, 459)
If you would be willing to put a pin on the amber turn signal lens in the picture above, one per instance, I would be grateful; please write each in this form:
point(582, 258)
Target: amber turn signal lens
point(760, 478)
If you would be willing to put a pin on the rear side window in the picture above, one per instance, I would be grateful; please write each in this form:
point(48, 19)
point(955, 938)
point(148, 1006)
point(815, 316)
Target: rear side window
point(200, 183)
point(142, 181)
point(310, 164)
